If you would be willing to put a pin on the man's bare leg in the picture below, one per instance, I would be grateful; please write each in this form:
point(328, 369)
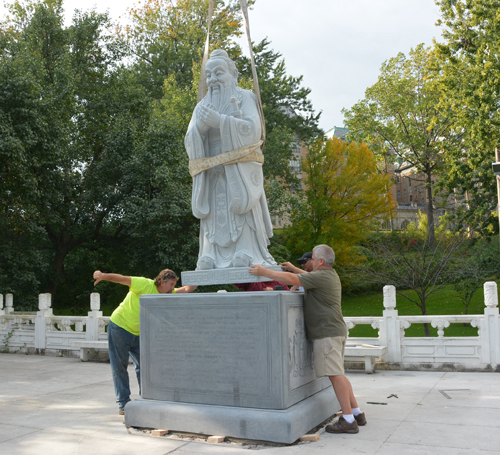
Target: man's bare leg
point(352, 398)
point(344, 392)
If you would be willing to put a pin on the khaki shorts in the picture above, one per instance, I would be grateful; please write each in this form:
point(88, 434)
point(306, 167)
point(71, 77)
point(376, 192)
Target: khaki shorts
point(329, 356)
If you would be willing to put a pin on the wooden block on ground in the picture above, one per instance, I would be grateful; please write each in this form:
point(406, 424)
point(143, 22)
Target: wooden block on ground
point(216, 439)
point(338, 413)
point(310, 437)
point(158, 432)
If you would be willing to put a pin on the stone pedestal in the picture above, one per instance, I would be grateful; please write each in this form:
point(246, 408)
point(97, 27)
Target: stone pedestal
point(236, 364)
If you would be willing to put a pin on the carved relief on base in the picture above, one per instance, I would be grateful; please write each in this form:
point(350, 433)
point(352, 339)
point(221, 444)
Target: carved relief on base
point(300, 349)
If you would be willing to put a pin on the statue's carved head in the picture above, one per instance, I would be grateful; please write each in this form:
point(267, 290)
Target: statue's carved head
point(221, 55)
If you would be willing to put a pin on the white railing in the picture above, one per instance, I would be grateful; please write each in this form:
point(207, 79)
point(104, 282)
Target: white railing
point(481, 352)
point(42, 332)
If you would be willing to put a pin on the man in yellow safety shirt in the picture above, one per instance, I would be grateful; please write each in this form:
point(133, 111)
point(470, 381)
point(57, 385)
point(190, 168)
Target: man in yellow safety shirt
point(123, 329)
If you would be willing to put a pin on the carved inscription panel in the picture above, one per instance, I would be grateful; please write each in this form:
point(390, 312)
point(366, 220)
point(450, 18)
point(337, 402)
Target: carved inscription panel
point(214, 350)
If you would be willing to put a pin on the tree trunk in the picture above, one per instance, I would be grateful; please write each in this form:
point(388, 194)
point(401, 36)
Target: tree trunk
point(424, 313)
point(62, 246)
point(467, 303)
point(497, 157)
point(431, 234)
point(58, 268)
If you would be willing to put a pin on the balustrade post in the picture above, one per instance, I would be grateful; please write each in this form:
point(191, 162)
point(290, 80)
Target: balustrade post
point(9, 303)
point(94, 316)
point(44, 311)
point(490, 333)
point(390, 334)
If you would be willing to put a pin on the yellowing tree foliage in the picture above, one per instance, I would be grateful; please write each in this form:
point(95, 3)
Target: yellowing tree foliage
point(345, 197)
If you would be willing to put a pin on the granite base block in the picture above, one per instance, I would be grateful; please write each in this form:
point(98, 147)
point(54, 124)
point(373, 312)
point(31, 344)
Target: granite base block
point(229, 275)
point(245, 349)
point(283, 426)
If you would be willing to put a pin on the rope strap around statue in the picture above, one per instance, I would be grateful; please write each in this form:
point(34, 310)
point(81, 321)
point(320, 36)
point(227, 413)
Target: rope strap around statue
point(241, 155)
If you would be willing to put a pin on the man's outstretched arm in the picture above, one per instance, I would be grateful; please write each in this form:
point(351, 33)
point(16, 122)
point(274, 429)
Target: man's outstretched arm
point(113, 277)
point(283, 277)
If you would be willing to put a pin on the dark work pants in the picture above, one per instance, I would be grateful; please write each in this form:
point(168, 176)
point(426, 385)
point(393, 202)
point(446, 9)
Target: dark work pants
point(123, 344)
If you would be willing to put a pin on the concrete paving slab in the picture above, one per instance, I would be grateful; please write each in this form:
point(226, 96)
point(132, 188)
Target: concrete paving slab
point(444, 435)
point(222, 448)
point(455, 415)
point(408, 449)
point(55, 421)
point(336, 444)
point(464, 394)
point(18, 390)
point(8, 432)
point(84, 398)
point(54, 443)
point(77, 414)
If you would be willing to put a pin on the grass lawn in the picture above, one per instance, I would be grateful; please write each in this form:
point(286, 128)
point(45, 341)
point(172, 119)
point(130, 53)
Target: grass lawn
point(446, 301)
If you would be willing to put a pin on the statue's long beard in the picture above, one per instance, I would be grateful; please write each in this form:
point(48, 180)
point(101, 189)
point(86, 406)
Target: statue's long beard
point(221, 98)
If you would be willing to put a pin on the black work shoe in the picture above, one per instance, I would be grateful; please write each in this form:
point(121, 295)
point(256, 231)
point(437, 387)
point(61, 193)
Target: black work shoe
point(341, 426)
point(361, 419)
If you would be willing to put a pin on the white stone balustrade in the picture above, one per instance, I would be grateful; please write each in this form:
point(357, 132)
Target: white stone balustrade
point(481, 352)
point(45, 333)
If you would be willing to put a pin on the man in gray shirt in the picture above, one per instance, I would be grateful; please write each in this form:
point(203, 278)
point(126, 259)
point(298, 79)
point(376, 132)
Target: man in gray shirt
point(325, 326)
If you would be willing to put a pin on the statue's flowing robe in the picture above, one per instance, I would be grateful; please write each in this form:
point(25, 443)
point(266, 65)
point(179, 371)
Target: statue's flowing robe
point(229, 199)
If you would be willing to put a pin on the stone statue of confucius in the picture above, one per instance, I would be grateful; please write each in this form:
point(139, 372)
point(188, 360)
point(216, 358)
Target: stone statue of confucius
point(224, 146)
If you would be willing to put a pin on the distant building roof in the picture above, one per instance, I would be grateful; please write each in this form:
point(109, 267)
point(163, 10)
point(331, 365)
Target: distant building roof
point(337, 131)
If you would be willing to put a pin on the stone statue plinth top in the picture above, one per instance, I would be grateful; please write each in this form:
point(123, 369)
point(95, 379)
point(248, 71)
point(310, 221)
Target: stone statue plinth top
point(228, 275)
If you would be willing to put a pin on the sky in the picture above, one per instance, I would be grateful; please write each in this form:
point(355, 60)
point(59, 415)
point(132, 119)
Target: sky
point(337, 46)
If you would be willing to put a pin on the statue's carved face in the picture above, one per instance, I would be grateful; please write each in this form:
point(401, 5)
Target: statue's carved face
point(218, 76)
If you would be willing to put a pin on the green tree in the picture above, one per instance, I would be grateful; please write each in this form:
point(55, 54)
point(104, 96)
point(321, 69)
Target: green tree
point(168, 37)
point(93, 175)
point(470, 82)
point(345, 198)
point(400, 116)
point(480, 262)
point(407, 261)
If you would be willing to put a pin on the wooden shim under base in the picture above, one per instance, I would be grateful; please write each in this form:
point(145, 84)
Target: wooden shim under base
point(158, 432)
point(310, 437)
point(216, 439)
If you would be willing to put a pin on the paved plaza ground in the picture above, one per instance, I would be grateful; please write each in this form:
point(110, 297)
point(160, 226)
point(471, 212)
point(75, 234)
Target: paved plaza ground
point(61, 406)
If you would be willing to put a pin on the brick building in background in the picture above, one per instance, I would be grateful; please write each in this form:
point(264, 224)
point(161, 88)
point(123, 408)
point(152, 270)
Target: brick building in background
point(410, 193)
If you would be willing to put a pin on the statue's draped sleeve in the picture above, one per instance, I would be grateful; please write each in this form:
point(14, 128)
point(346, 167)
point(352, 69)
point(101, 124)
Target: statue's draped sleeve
point(195, 147)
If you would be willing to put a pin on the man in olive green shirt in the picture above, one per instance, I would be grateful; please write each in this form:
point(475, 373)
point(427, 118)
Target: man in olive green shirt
point(325, 326)
point(123, 329)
